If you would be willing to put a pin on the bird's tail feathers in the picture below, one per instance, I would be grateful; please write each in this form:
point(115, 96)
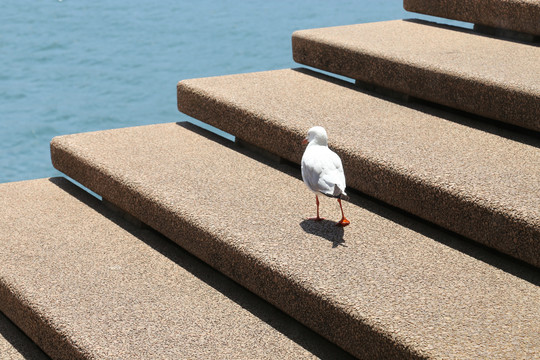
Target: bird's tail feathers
point(342, 196)
point(338, 193)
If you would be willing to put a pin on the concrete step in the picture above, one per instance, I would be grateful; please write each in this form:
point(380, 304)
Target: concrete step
point(386, 286)
point(490, 77)
point(85, 284)
point(515, 15)
point(15, 345)
point(477, 180)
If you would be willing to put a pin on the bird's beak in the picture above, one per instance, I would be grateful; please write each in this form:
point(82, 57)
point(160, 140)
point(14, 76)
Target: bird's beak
point(304, 142)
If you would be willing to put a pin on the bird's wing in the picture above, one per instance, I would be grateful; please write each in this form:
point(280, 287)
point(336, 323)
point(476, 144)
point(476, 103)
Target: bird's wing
point(322, 171)
point(333, 176)
point(311, 171)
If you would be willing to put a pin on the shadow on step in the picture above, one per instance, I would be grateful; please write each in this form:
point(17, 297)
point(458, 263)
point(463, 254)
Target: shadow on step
point(247, 149)
point(326, 229)
point(247, 300)
point(485, 31)
point(21, 344)
point(494, 127)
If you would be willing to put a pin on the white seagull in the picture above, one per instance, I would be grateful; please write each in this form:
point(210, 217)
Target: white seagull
point(322, 170)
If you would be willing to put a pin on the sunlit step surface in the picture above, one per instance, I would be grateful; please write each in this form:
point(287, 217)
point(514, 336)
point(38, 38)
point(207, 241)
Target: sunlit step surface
point(83, 283)
point(474, 179)
point(494, 78)
point(516, 15)
point(384, 287)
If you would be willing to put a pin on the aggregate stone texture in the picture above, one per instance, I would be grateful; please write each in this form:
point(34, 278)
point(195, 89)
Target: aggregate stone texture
point(475, 179)
point(15, 345)
point(482, 75)
point(516, 15)
point(386, 286)
point(85, 284)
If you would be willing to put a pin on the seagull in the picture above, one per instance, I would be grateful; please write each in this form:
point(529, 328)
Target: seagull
point(322, 170)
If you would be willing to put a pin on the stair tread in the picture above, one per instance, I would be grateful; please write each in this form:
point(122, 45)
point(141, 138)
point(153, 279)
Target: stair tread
point(481, 182)
point(84, 283)
point(516, 15)
point(494, 78)
point(385, 286)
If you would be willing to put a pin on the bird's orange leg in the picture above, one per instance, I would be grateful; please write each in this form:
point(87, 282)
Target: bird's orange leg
point(318, 218)
point(343, 222)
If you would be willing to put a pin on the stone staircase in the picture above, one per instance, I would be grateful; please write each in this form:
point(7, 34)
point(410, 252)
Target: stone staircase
point(428, 162)
point(440, 144)
point(84, 283)
point(482, 75)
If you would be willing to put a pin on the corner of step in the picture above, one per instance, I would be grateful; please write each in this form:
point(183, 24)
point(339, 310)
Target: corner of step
point(55, 146)
point(185, 88)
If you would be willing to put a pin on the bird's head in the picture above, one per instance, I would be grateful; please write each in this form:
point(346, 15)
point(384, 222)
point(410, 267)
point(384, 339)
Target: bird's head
point(316, 135)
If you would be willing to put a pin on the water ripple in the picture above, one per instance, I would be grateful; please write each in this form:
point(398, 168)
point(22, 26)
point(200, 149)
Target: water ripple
point(74, 66)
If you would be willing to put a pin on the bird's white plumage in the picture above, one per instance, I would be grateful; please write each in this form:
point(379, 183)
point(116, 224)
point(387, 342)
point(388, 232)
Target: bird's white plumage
point(322, 170)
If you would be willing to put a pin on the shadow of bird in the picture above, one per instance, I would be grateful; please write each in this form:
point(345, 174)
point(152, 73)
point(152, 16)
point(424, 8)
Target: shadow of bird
point(325, 229)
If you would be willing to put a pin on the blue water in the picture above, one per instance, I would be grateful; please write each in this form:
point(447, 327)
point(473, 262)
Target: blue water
point(75, 66)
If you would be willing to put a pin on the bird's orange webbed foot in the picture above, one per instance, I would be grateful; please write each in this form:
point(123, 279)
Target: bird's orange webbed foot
point(343, 222)
point(316, 218)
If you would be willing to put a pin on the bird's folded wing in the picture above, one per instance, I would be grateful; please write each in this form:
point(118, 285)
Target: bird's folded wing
point(322, 171)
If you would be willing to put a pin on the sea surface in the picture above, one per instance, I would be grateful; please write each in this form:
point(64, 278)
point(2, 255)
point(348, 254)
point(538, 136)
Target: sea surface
point(70, 66)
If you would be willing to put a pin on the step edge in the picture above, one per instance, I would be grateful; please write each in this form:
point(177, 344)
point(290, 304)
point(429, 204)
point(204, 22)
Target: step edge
point(124, 195)
point(36, 325)
point(516, 103)
point(229, 110)
point(415, 6)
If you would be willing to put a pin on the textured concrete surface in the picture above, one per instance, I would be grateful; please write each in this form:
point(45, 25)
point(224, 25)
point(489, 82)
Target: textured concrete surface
point(494, 78)
point(15, 345)
point(474, 179)
point(383, 287)
point(516, 15)
point(83, 283)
